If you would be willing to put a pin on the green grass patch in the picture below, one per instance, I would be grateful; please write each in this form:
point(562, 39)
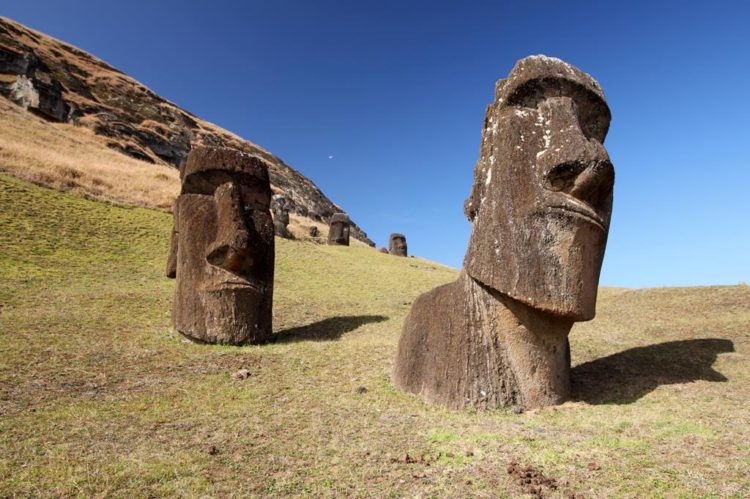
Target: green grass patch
point(98, 397)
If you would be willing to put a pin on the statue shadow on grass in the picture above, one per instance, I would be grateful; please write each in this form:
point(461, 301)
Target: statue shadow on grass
point(625, 377)
point(327, 329)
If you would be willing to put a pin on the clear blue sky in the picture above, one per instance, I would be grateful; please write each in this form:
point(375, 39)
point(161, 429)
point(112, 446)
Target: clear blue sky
point(381, 104)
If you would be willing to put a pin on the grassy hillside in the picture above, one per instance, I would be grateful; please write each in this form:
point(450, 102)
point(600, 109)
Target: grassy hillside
point(99, 398)
point(112, 113)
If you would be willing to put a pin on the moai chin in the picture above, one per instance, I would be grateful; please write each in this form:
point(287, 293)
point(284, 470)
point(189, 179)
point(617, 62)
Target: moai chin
point(280, 213)
point(397, 245)
point(338, 232)
point(222, 252)
point(540, 207)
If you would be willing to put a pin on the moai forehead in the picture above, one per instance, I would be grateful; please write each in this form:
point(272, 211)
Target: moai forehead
point(340, 218)
point(208, 167)
point(542, 194)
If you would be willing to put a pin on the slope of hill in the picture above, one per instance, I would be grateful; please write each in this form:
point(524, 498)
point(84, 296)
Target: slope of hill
point(64, 84)
point(99, 398)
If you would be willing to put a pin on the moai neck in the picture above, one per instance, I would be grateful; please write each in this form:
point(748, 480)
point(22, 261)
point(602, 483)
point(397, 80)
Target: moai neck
point(536, 344)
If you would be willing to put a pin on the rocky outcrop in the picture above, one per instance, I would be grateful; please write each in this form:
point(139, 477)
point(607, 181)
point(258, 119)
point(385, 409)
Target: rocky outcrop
point(28, 83)
point(63, 83)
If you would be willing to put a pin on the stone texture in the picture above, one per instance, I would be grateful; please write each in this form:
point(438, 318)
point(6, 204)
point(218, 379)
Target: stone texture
point(338, 233)
point(280, 214)
point(397, 245)
point(33, 87)
point(222, 252)
point(540, 207)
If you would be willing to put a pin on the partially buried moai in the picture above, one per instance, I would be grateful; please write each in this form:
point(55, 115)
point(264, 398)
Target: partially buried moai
point(338, 231)
point(222, 252)
point(540, 207)
point(280, 213)
point(397, 245)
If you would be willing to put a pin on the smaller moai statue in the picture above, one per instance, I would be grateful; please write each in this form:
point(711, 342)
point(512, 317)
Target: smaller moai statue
point(338, 233)
point(397, 245)
point(314, 232)
point(280, 213)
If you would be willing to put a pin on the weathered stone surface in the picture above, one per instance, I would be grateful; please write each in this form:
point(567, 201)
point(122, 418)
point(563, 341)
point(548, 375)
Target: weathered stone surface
point(338, 233)
point(397, 245)
point(15, 63)
point(540, 206)
point(222, 252)
point(280, 214)
point(33, 86)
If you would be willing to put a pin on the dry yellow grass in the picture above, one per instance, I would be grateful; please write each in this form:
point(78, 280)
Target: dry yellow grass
point(75, 160)
point(70, 158)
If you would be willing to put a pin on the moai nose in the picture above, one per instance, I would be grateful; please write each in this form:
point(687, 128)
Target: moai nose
point(588, 180)
point(572, 162)
point(230, 250)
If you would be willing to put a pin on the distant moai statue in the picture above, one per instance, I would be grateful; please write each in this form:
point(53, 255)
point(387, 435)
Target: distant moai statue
point(313, 231)
point(397, 245)
point(540, 207)
point(280, 213)
point(222, 251)
point(338, 233)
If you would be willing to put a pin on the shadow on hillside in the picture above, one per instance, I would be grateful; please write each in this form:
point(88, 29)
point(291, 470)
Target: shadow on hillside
point(626, 376)
point(327, 329)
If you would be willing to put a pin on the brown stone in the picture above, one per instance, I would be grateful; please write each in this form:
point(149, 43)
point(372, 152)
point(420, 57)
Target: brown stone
point(397, 245)
point(314, 232)
point(338, 233)
point(280, 213)
point(222, 252)
point(540, 207)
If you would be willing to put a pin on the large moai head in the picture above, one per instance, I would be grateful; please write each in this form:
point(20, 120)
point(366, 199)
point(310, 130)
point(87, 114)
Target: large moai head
point(542, 194)
point(222, 251)
point(397, 245)
point(338, 233)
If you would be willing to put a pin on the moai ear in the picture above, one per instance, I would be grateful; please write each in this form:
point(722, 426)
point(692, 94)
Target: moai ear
point(473, 202)
point(479, 187)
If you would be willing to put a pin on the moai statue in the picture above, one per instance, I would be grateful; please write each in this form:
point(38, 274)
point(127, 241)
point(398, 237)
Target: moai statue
point(397, 245)
point(338, 233)
point(540, 207)
point(222, 253)
point(280, 213)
